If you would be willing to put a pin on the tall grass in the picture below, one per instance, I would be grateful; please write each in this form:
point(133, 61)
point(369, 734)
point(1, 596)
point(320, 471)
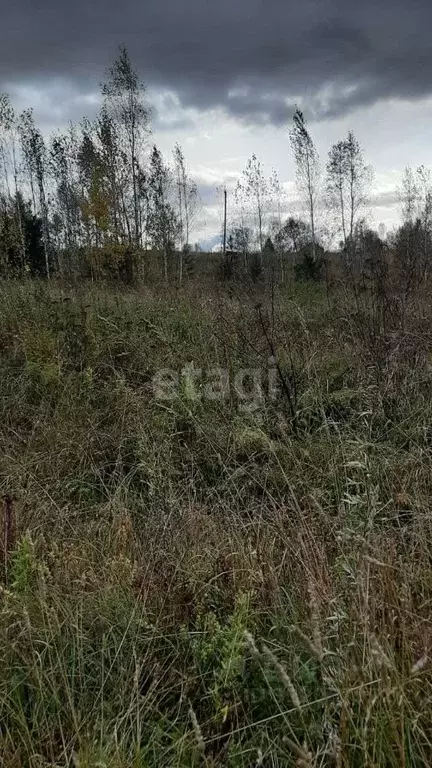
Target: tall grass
point(200, 583)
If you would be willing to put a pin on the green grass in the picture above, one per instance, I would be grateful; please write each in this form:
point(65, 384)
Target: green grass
point(196, 582)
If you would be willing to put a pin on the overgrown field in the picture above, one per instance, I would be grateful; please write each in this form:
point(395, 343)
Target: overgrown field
point(241, 579)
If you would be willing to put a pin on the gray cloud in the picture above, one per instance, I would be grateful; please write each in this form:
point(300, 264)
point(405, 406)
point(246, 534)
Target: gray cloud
point(386, 199)
point(253, 57)
point(208, 193)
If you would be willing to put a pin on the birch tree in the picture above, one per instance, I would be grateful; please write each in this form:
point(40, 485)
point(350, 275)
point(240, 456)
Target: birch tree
point(409, 195)
point(278, 204)
point(10, 164)
point(335, 186)
point(125, 103)
point(359, 179)
point(347, 185)
point(253, 191)
point(307, 168)
point(62, 164)
point(35, 157)
point(163, 222)
point(187, 198)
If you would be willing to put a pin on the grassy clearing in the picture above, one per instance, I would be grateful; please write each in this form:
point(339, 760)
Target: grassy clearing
point(198, 582)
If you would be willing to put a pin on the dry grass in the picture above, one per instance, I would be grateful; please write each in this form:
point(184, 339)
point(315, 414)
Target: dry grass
point(194, 583)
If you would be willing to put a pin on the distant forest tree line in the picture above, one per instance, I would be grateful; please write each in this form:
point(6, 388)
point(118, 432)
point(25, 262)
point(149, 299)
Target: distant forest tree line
point(95, 198)
point(100, 201)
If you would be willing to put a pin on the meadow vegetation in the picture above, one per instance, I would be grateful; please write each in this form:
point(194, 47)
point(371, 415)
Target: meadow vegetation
point(197, 582)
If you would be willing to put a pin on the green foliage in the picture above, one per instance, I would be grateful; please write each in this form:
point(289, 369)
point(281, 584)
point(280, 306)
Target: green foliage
point(310, 268)
point(23, 566)
point(218, 651)
point(21, 240)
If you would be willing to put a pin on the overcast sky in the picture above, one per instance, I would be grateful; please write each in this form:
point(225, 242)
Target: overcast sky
point(224, 76)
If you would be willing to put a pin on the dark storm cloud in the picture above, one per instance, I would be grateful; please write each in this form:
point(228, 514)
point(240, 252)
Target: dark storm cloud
point(253, 57)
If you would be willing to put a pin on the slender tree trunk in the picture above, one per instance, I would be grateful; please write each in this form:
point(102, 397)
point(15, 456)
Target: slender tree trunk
point(126, 218)
point(225, 223)
point(32, 191)
point(134, 169)
point(180, 204)
point(260, 232)
point(45, 229)
point(18, 210)
point(187, 214)
point(352, 202)
point(342, 205)
point(311, 207)
point(312, 219)
point(165, 256)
